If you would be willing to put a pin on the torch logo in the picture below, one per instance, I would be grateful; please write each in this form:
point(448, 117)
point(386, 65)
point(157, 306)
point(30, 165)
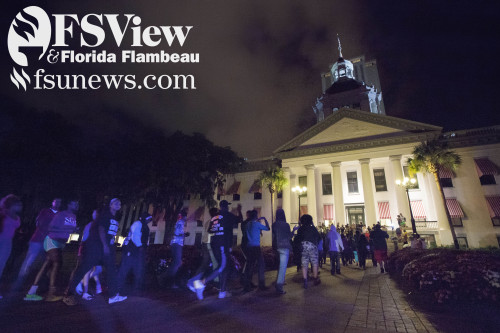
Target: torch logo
point(30, 31)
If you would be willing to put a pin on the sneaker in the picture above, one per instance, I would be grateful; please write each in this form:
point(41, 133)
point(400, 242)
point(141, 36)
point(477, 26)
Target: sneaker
point(98, 290)
point(33, 297)
point(87, 297)
point(52, 298)
point(70, 300)
point(79, 289)
point(199, 288)
point(224, 294)
point(117, 299)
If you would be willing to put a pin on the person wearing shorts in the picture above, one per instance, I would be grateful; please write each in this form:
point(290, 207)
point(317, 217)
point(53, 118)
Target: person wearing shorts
point(59, 229)
point(309, 237)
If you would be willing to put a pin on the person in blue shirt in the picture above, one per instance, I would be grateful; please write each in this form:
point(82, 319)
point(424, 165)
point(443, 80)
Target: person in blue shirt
point(253, 250)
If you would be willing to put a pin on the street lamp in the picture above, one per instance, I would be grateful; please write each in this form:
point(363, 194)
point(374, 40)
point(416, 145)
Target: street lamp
point(300, 191)
point(408, 183)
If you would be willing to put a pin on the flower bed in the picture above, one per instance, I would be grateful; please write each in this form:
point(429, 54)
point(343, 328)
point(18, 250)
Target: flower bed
point(449, 275)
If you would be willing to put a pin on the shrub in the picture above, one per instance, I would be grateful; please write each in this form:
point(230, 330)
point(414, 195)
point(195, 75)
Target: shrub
point(449, 275)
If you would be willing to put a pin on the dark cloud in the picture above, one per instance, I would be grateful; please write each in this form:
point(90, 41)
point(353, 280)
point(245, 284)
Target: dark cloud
point(261, 60)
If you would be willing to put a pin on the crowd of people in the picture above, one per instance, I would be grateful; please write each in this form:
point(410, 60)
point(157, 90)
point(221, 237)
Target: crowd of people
point(310, 247)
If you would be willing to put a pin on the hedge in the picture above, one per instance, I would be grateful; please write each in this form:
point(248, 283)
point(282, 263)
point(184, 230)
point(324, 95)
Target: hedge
point(447, 275)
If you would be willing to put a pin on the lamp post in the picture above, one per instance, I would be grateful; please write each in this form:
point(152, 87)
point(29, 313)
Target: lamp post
point(299, 190)
point(408, 183)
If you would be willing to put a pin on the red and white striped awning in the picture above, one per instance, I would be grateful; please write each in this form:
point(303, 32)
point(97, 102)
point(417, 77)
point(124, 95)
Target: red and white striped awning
point(256, 187)
point(494, 206)
point(383, 210)
point(454, 208)
point(417, 208)
point(485, 167)
point(328, 212)
point(303, 210)
point(234, 189)
point(446, 173)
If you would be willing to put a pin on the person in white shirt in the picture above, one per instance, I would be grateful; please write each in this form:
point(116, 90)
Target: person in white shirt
point(134, 252)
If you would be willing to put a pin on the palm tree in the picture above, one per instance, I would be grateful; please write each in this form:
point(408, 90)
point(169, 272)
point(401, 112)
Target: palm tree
point(274, 179)
point(430, 157)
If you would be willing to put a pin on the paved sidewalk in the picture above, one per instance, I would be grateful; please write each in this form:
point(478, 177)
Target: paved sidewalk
point(355, 301)
point(380, 305)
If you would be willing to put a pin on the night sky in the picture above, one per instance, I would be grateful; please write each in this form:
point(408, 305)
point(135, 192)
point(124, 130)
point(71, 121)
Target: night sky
point(260, 65)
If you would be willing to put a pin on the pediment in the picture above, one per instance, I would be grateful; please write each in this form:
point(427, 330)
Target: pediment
point(348, 127)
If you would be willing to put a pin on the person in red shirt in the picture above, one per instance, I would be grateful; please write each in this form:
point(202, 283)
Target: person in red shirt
point(61, 226)
point(10, 208)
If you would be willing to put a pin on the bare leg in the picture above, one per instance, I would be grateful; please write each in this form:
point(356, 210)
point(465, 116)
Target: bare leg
point(315, 271)
point(85, 282)
point(41, 272)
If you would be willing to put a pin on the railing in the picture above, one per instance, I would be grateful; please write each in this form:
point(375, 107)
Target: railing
point(426, 225)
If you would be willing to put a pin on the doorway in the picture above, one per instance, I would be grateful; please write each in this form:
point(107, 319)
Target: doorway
point(356, 215)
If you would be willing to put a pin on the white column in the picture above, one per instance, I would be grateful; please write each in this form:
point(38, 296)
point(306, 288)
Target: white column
point(311, 192)
point(371, 216)
point(319, 196)
point(442, 219)
point(294, 203)
point(402, 203)
point(338, 194)
point(287, 195)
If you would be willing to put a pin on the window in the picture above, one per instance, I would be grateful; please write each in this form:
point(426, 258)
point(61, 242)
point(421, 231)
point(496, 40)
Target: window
point(462, 242)
point(303, 181)
point(487, 180)
point(406, 173)
point(236, 197)
point(199, 223)
point(257, 196)
point(218, 197)
point(380, 183)
point(446, 182)
point(326, 180)
point(352, 182)
point(496, 221)
point(457, 221)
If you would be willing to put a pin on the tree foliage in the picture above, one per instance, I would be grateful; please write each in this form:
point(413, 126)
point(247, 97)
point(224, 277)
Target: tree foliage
point(44, 155)
point(430, 157)
point(274, 179)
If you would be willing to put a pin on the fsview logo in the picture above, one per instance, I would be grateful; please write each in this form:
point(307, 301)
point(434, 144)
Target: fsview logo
point(31, 32)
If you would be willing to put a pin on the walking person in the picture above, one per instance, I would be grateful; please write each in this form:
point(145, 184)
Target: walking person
point(134, 252)
point(10, 209)
point(176, 245)
point(309, 237)
point(83, 287)
point(217, 244)
point(282, 237)
point(334, 246)
point(99, 247)
point(254, 252)
point(61, 226)
point(35, 247)
point(380, 246)
point(206, 248)
point(362, 250)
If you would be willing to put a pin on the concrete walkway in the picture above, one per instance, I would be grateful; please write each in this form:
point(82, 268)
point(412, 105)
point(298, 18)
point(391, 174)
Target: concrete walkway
point(355, 301)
